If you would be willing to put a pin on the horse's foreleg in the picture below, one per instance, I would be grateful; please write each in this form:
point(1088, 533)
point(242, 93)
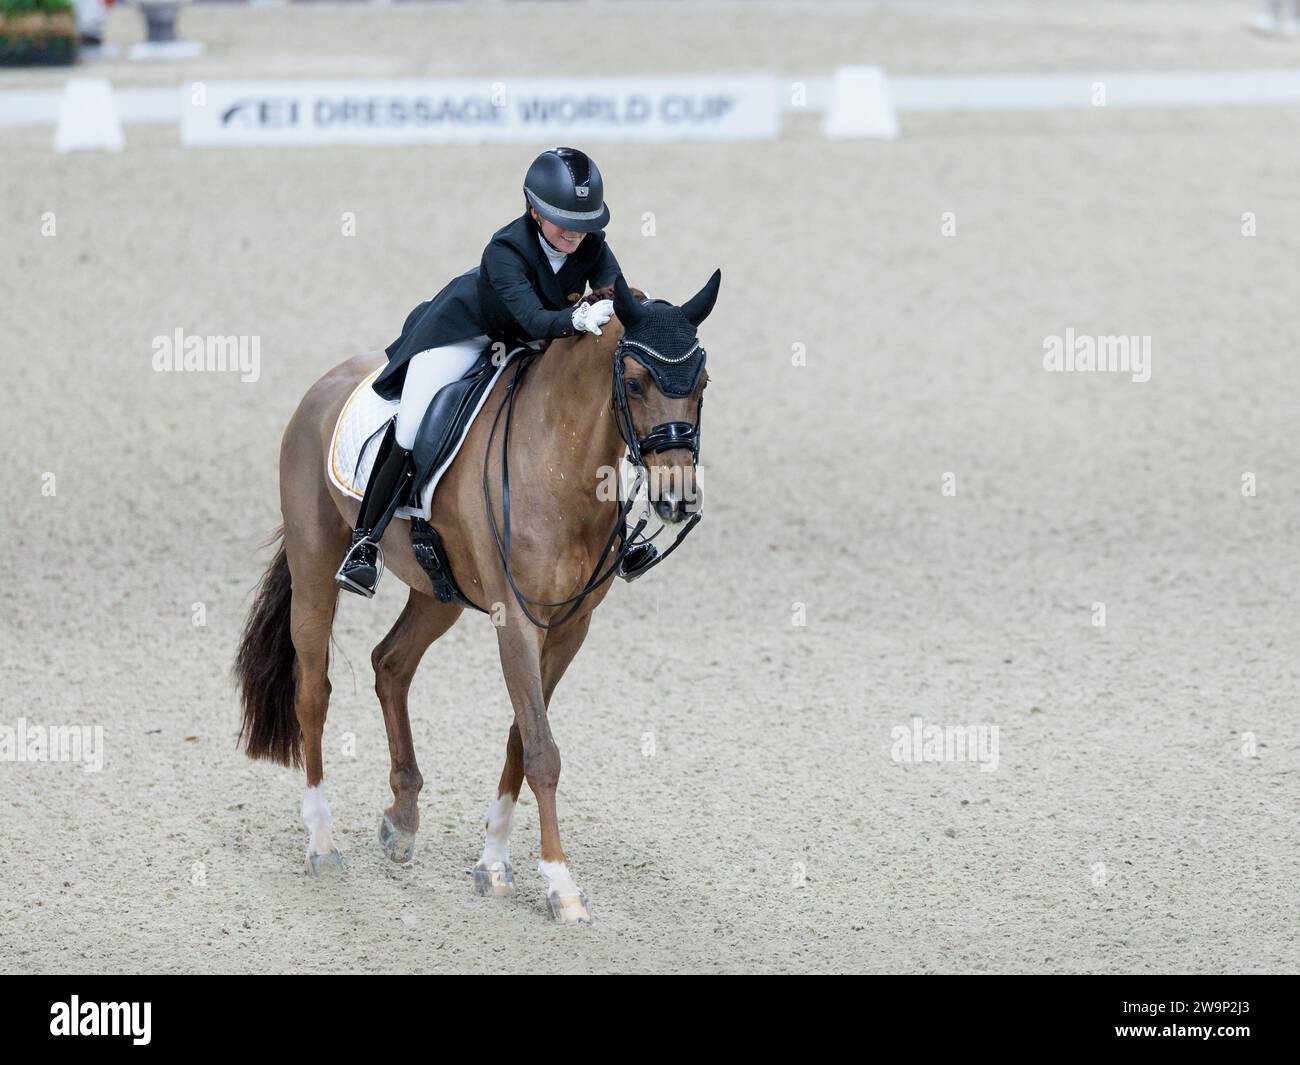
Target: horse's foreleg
point(395, 660)
point(533, 663)
point(492, 875)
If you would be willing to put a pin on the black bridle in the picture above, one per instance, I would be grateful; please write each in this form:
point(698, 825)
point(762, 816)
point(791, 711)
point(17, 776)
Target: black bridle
point(663, 437)
point(660, 438)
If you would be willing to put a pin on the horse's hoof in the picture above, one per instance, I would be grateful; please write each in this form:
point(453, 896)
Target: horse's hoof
point(319, 865)
point(496, 881)
point(398, 844)
point(569, 909)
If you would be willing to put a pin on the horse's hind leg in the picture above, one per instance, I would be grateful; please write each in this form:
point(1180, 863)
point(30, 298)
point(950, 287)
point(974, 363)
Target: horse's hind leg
point(311, 618)
point(395, 659)
point(315, 538)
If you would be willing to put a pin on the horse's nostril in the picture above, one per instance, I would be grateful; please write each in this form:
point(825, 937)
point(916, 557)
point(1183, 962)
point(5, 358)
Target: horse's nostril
point(671, 509)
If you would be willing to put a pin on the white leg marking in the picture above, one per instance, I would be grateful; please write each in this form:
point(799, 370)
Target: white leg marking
point(496, 847)
point(316, 816)
point(567, 903)
point(558, 880)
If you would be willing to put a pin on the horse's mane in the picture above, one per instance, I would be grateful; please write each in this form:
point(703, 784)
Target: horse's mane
point(606, 292)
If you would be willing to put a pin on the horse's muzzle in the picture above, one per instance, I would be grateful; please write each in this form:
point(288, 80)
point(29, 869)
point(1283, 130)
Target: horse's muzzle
point(674, 506)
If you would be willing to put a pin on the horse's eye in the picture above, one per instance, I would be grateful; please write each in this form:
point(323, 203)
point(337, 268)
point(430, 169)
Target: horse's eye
point(633, 386)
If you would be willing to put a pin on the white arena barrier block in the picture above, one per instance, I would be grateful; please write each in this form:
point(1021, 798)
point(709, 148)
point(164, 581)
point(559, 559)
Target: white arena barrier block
point(88, 118)
point(861, 105)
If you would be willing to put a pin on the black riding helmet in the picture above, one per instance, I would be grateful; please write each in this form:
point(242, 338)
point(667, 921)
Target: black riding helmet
point(566, 189)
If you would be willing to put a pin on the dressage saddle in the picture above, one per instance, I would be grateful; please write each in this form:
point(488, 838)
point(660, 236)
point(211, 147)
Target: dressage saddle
point(440, 433)
point(445, 421)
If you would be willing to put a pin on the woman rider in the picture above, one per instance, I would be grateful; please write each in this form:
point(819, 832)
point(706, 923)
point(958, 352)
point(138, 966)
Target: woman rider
point(522, 291)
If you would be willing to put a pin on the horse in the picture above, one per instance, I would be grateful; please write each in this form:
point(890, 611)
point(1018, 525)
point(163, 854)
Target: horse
point(529, 538)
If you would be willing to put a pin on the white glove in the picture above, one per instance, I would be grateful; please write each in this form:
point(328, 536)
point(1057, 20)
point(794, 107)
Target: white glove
point(589, 317)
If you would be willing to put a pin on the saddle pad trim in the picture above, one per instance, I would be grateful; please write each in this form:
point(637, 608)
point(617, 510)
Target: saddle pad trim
point(344, 484)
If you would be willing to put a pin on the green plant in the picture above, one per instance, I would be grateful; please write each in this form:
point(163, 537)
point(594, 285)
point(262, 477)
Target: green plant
point(37, 32)
point(34, 7)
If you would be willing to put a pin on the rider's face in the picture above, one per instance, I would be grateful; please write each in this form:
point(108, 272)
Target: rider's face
point(567, 240)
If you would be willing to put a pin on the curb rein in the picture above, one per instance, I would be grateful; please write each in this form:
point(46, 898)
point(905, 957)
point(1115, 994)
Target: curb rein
point(660, 438)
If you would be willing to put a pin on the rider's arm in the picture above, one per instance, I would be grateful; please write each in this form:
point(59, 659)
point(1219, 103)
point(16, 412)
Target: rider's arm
point(512, 282)
point(605, 268)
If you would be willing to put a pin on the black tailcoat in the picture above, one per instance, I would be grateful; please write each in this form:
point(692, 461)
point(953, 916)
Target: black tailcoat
point(513, 297)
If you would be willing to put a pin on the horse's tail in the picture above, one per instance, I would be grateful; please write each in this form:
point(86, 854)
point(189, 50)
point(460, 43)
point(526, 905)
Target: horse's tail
point(264, 668)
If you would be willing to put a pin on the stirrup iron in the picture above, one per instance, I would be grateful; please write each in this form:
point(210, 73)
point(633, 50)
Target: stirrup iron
point(344, 581)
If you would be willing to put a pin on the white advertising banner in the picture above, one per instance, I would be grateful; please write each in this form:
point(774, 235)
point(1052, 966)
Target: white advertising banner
point(468, 111)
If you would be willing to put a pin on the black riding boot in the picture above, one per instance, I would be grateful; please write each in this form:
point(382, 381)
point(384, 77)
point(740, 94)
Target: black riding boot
point(389, 481)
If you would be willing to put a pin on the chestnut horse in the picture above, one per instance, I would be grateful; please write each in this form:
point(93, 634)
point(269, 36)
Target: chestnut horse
point(563, 420)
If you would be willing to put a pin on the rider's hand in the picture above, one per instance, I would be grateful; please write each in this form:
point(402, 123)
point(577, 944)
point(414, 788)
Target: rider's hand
point(589, 317)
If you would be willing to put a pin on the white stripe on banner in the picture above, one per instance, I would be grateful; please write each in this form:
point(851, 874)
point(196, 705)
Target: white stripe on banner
point(246, 113)
point(40, 107)
point(744, 106)
point(1184, 88)
point(20, 107)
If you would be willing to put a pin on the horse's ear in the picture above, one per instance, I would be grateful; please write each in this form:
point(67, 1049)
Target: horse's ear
point(697, 308)
point(626, 306)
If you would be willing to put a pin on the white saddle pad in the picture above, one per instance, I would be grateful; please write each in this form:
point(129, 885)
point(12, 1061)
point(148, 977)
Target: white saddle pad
point(359, 421)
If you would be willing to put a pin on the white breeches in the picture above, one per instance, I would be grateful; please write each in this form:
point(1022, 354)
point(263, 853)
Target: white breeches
point(426, 373)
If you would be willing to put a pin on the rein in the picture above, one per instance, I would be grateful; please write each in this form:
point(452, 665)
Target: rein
point(676, 434)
